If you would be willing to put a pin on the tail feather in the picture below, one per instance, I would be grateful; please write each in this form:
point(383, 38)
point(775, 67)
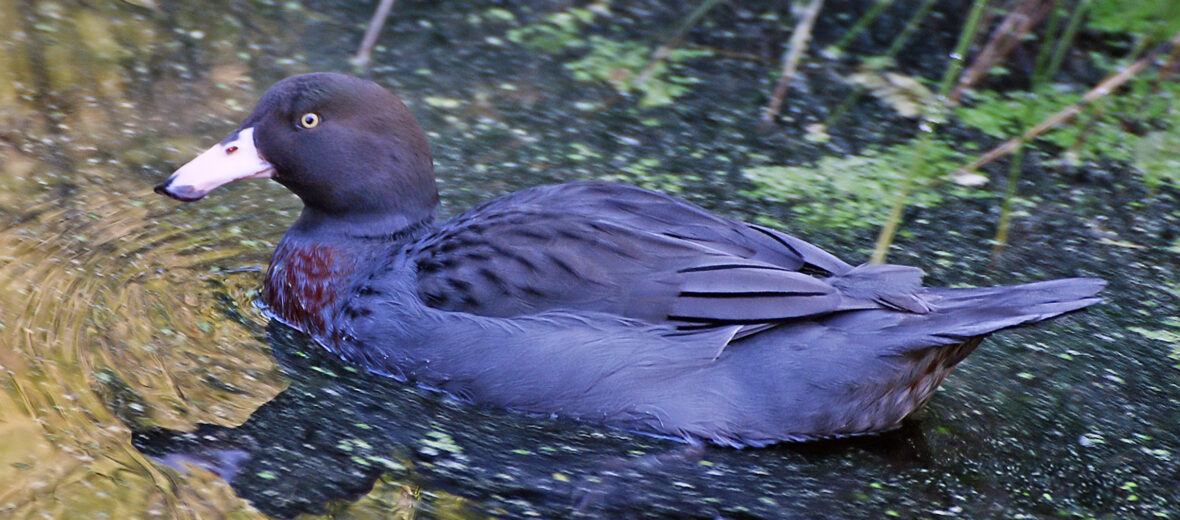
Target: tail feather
point(865, 370)
point(1064, 290)
point(960, 314)
point(991, 319)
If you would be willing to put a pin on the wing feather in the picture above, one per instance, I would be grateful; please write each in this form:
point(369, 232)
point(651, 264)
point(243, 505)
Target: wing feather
point(637, 254)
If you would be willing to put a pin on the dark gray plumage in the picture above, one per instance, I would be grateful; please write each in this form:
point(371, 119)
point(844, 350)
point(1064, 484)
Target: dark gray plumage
point(593, 300)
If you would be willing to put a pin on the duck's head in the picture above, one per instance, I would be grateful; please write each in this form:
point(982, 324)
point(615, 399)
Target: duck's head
point(346, 146)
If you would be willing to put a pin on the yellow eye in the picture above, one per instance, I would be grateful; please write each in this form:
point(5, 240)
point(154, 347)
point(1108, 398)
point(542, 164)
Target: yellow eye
point(309, 120)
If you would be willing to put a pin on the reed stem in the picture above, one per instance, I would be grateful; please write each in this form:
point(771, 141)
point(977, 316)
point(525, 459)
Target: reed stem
point(889, 230)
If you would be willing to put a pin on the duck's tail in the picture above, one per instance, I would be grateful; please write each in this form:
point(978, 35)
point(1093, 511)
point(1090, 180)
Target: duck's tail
point(953, 316)
point(964, 313)
point(914, 352)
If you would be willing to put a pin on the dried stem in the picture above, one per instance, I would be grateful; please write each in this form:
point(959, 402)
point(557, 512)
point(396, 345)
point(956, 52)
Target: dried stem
point(1043, 71)
point(1004, 38)
point(1005, 223)
point(898, 43)
point(885, 238)
point(370, 40)
point(893, 48)
point(795, 50)
point(1108, 85)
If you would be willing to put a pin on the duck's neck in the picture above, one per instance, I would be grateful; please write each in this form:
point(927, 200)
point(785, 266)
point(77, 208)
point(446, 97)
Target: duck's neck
point(317, 257)
point(315, 224)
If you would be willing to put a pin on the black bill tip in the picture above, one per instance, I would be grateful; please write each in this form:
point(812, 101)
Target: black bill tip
point(181, 193)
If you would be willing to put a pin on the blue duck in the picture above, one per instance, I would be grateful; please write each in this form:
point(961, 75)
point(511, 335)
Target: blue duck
point(589, 300)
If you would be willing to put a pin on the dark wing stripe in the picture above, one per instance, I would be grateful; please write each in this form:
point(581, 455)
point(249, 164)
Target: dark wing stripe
point(719, 267)
point(744, 295)
point(753, 310)
point(807, 253)
point(750, 294)
point(778, 239)
point(507, 252)
point(689, 330)
point(717, 321)
point(752, 279)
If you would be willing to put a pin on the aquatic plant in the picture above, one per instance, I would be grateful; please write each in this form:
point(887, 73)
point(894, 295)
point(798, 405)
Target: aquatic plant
point(1136, 124)
point(625, 65)
point(559, 31)
point(885, 237)
point(619, 63)
point(846, 192)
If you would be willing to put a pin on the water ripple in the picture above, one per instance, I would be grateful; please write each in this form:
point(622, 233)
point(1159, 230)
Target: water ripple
point(116, 313)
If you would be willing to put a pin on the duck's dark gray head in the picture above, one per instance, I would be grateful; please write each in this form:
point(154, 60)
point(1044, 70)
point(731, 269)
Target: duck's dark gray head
point(346, 146)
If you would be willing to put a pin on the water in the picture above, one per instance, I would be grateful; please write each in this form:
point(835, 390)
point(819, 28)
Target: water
point(126, 319)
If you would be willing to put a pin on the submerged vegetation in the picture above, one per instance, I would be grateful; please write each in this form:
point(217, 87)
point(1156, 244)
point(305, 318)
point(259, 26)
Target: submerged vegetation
point(847, 192)
point(625, 65)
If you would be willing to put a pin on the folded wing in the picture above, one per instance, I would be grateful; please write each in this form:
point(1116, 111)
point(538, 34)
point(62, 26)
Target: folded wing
point(637, 254)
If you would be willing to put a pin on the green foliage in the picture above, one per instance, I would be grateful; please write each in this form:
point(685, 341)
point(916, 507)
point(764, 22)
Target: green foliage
point(855, 191)
point(1155, 19)
point(616, 63)
point(502, 15)
point(1007, 115)
point(1156, 155)
point(1165, 335)
point(648, 172)
point(1001, 116)
point(1103, 129)
point(558, 31)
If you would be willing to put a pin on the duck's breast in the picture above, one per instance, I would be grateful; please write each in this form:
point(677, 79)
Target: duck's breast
point(304, 283)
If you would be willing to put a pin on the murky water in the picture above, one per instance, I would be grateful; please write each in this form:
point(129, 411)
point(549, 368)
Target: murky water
point(126, 319)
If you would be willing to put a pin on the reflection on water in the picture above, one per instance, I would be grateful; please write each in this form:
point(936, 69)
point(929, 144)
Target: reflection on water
point(125, 318)
point(112, 298)
point(335, 433)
